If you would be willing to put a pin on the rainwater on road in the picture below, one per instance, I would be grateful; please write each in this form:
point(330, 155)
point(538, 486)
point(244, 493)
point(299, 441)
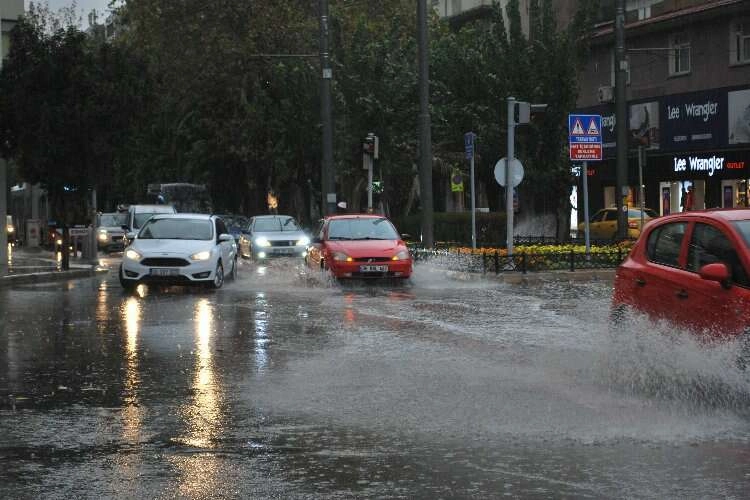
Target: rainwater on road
point(284, 385)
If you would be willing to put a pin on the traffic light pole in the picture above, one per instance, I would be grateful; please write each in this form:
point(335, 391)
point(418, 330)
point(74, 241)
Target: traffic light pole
point(508, 177)
point(328, 178)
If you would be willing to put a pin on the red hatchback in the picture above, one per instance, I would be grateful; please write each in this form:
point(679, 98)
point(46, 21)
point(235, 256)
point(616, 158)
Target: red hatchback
point(692, 269)
point(359, 246)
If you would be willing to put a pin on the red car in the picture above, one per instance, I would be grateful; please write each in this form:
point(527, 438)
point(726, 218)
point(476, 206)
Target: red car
point(692, 269)
point(359, 246)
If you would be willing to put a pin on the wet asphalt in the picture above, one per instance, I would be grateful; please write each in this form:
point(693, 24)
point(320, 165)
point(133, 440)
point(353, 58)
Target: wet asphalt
point(285, 385)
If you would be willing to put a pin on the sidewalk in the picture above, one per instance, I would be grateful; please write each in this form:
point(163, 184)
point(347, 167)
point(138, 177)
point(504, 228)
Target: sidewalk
point(40, 265)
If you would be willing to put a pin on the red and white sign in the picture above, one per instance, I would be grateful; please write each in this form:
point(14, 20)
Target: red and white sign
point(586, 151)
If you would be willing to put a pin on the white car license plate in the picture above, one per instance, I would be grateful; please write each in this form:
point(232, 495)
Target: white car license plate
point(373, 269)
point(284, 251)
point(158, 271)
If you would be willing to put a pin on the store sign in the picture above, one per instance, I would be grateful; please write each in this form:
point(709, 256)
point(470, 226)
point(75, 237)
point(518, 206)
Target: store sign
point(696, 120)
point(710, 164)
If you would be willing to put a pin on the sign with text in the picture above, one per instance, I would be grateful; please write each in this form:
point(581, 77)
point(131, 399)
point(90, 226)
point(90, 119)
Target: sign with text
point(585, 137)
point(696, 120)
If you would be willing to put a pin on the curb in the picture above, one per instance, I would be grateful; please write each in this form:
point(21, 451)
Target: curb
point(606, 275)
point(49, 276)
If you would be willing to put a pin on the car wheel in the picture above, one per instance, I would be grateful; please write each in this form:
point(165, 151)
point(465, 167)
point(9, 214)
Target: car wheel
point(233, 273)
point(218, 281)
point(127, 284)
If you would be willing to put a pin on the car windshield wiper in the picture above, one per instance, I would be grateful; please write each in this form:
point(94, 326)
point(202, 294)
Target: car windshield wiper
point(373, 238)
point(339, 238)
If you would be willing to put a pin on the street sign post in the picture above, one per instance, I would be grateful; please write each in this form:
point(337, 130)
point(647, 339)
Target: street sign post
point(585, 140)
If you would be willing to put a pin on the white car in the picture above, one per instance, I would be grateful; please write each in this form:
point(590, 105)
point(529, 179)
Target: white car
point(180, 249)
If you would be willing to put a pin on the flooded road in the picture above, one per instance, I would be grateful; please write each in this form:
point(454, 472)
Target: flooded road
point(287, 386)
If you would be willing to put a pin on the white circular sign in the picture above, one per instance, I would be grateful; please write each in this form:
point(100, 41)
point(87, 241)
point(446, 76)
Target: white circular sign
point(516, 172)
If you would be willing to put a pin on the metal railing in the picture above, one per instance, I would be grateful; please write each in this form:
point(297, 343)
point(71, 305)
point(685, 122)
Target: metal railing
point(497, 262)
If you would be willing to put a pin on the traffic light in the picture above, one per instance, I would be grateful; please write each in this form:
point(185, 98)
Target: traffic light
point(370, 146)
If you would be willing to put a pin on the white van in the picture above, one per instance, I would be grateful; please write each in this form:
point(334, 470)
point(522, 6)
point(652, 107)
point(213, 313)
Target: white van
point(138, 214)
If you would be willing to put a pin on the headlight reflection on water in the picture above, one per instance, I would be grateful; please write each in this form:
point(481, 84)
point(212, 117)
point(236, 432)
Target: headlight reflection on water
point(203, 414)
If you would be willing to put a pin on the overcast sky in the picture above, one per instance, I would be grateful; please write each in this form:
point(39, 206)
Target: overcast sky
point(83, 7)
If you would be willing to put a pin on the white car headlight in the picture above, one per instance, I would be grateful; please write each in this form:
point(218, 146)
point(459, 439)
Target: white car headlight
point(103, 235)
point(132, 254)
point(402, 255)
point(201, 255)
point(262, 242)
point(304, 241)
point(341, 257)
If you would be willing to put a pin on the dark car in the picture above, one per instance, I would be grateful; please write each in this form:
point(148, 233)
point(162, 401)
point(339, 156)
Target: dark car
point(235, 225)
point(693, 270)
point(110, 236)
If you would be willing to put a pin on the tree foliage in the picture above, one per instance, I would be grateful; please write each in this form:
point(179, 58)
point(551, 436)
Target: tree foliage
point(227, 93)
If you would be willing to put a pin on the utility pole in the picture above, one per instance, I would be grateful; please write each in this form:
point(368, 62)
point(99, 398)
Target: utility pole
point(425, 141)
point(327, 175)
point(3, 214)
point(508, 175)
point(621, 119)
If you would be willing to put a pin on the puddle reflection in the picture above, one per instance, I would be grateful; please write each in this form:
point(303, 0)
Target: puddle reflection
point(132, 413)
point(260, 321)
point(203, 415)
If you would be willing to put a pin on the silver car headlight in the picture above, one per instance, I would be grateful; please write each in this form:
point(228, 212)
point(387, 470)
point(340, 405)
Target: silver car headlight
point(132, 254)
point(262, 242)
point(205, 255)
point(304, 241)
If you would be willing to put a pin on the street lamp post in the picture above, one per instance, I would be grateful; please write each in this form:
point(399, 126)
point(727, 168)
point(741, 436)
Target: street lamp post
point(328, 178)
point(425, 140)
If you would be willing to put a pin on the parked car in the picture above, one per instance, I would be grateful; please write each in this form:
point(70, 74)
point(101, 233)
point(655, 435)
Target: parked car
point(139, 214)
point(110, 235)
point(693, 270)
point(359, 246)
point(603, 224)
point(273, 236)
point(180, 249)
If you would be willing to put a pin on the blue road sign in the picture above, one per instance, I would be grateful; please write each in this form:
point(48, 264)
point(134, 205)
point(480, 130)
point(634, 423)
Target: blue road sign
point(469, 144)
point(585, 137)
point(585, 129)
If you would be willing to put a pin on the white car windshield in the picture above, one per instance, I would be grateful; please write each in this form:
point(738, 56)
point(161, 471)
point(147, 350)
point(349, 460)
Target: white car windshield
point(361, 229)
point(270, 224)
point(176, 229)
point(113, 220)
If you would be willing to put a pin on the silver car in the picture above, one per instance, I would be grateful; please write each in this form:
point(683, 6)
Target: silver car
point(273, 236)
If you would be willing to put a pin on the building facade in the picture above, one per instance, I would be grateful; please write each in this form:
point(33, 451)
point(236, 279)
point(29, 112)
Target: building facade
point(688, 93)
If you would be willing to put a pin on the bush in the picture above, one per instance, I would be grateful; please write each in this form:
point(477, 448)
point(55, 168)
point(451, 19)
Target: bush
point(455, 227)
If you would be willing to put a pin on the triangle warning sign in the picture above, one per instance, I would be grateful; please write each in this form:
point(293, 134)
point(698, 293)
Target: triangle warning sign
point(593, 129)
point(578, 128)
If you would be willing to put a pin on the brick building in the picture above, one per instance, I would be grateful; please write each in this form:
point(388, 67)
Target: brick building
point(688, 92)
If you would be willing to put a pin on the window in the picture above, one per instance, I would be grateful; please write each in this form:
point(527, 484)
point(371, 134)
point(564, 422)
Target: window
point(709, 245)
point(679, 55)
point(739, 43)
point(664, 243)
point(221, 228)
point(611, 215)
point(598, 217)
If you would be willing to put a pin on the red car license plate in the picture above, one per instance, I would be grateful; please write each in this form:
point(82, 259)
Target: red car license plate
point(373, 269)
point(158, 271)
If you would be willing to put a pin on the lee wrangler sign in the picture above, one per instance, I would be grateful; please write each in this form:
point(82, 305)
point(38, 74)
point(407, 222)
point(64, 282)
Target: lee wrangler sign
point(585, 137)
